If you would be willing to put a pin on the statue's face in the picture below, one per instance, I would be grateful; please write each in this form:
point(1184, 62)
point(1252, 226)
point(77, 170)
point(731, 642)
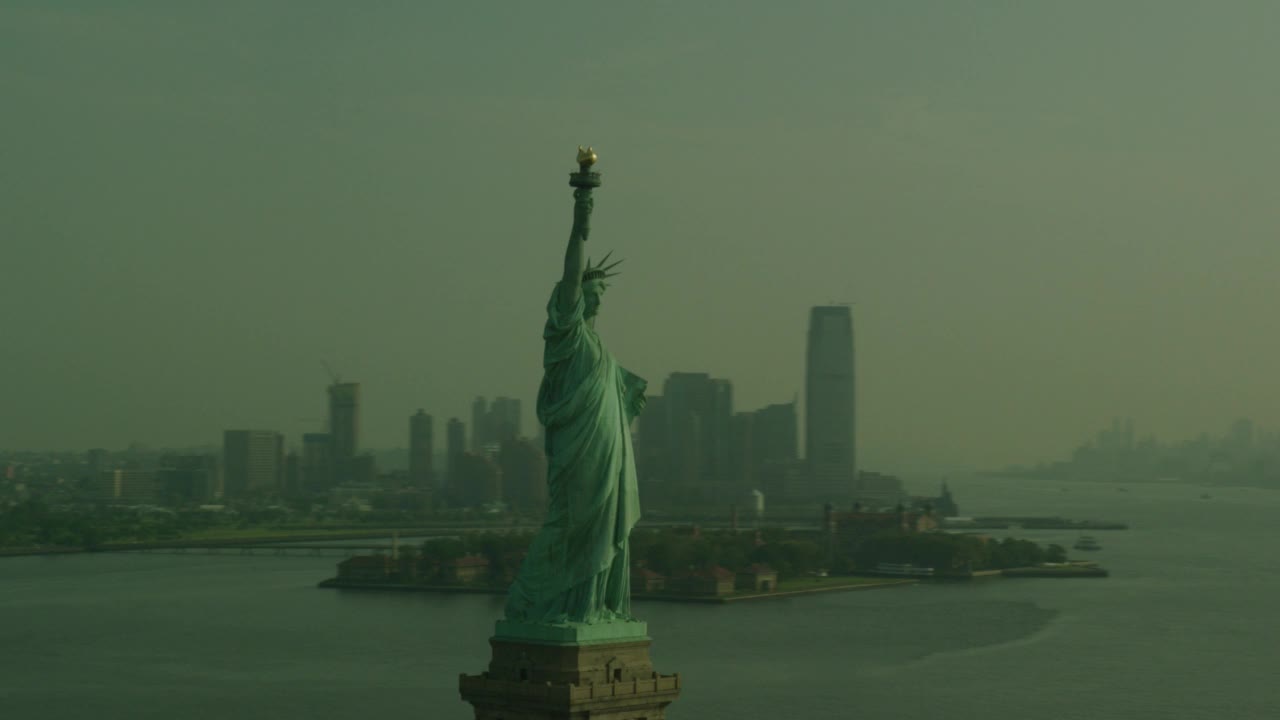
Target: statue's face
point(591, 294)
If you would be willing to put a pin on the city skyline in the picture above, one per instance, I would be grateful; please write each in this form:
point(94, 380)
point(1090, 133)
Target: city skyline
point(1040, 228)
point(779, 419)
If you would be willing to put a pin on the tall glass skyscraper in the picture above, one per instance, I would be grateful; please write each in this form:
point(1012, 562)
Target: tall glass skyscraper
point(830, 448)
point(344, 420)
point(421, 451)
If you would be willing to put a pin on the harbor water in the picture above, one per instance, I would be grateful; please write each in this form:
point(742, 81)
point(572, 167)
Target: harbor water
point(1183, 628)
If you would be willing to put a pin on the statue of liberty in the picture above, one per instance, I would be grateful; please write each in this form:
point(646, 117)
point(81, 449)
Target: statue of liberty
point(577, 571)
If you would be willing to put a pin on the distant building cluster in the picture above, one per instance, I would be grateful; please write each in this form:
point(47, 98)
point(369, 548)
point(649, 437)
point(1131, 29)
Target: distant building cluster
point(1241, 455)
point(842, 531)
point(497, 469)
point(693, 447)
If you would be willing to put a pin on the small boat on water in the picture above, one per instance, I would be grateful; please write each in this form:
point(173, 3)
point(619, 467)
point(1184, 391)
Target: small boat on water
point(1087, 542)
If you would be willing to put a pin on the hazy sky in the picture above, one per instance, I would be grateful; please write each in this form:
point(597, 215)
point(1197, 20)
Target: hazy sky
point(1045, 214)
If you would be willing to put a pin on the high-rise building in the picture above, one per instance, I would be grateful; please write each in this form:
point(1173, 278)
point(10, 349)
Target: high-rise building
point(253, 463)
point(741, 468)
point(477, 480)
point(421, 450)
point(344, 421)
point(776, 433)
point(764, 449)
point(504, 420)
point(493, 423)
point(699, 418)
point(455, 446)
point(774, 448)
point(479, 420)
point(651, 444)
point(720, 431)
point(184, 479)
point(524, 475)
point(830, 446)
point(316, 464)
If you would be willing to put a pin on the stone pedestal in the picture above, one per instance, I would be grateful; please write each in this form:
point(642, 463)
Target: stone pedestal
point(600, 672)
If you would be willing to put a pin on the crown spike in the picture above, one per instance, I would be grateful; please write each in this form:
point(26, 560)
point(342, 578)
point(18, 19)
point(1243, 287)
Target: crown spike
point(600, 271)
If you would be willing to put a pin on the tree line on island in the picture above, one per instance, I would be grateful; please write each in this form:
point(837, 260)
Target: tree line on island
point(681, 559)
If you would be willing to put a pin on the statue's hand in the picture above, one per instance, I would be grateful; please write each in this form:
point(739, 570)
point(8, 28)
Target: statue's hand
point(637, 401)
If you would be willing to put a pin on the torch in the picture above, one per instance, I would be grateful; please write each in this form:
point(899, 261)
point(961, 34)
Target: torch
point(583, 182)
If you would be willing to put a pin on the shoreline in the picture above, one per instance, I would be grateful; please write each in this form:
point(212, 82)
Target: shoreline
point(235, 541)
point(336, 584)
point(1069, 571)
point(26, 552)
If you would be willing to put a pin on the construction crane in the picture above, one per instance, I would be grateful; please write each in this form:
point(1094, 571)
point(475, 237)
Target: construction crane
point(334, 377)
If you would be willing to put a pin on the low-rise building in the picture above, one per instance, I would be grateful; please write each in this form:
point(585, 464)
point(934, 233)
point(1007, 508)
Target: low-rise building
point(407, 565)
point(845, 530)
point(757, 577)
point(124, 487)
point(713, 580)
point(465, 570)
point(646, 580)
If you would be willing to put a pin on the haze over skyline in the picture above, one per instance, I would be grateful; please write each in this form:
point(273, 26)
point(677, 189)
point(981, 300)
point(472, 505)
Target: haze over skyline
point(1045, 215)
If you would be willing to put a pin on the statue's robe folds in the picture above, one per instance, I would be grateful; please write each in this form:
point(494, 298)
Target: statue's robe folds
point(578, 569)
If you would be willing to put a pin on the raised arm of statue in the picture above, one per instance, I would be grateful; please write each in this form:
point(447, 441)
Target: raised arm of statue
point(571, 283)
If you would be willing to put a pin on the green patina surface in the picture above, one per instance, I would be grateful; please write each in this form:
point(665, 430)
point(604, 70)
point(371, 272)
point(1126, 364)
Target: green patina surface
point(577, 570)
point(572, 633)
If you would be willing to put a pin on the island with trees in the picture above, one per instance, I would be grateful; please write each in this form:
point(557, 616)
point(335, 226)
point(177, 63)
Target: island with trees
point(851, 551)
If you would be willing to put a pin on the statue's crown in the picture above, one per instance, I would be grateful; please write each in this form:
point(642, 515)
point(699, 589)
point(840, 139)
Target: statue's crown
point(599, 271)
